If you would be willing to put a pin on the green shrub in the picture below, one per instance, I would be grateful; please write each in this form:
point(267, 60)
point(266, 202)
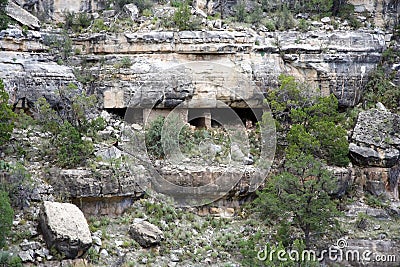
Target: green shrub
point(59, 46)
point(8, 260)
point(47, 117)
point(255, 16)
point(375, 202)
point(4, 19)
point(153, 137)
point(15, 261)
point(240, 11)
point(380, 88)
point(83, 20)
point(183, 19)
point(4, 258)
point(6, 116)
point(71, 149)
point(147, 13)
point(323, 134)
point(6, 218)
point(18, 184)
point(162, 137)
point(304, 25)
point(176, 3)
point(70, 125)
point(346, 11)
point(69, 18)
point(284, 19)
point(269, 24)
point(300, 192)
point(124, 63)
point(77, 21)
point(98, 25)
point(23, 120)
point(311, 125)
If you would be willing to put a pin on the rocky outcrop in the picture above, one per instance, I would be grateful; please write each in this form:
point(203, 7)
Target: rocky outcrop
point(376, 139)
point(145, 233)
point(132, 10)
point(22, 16)
point(99, 193)
point(32, 250)
point(337, 62)
point(55, 9)
point(65, 228)
point(375, 150)
point(84, 183)
point(367, 156)
point(31, 76)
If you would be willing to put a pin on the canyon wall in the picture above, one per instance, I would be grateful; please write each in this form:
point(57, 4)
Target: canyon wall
point(336, 62)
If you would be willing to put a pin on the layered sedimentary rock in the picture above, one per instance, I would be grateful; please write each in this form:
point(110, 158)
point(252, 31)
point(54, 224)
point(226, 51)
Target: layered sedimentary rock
point(376, 139)
point(166, 64)
point(22, 16)
point(374, 148)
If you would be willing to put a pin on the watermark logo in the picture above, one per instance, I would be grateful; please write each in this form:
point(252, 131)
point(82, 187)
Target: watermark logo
point(176, 93)
point(338, 252)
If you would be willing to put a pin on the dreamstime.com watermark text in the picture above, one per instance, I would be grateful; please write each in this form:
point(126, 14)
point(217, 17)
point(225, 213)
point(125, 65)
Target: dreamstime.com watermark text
point(335, 253)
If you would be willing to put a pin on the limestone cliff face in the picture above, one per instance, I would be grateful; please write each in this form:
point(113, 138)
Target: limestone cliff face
point(336, 62)
point(165, 68)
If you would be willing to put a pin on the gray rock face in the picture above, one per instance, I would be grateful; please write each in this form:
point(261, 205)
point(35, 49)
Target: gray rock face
point(366, 156)
point(29, 77)
point(55, 9)
point(109, 153)
point(26, 245)
point(97, 193)
point(376, 139)
point(83, 183)
point(65, 228)
point(337, 62)
point(22, 16)
point(26, 256)
point(145, 233)
point(132, 10)
point(361, 208)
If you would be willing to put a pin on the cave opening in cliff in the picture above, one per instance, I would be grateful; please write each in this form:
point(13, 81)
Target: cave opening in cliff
point(249, 115)
point(120, 112)
point(130, 115)
point(198, 117)
point(246, 116)
point(217, 117)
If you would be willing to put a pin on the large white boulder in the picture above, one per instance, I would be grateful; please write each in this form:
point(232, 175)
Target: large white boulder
point(65, 228)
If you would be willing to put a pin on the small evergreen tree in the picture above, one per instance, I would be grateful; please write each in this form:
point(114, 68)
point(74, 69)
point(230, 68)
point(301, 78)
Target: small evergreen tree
point(69, 122)
point(6, 217)
point(309, 124)
point(240, 11)
point(72, 150)
point(4, 20)
point(6, 116)
point(300, 194)
point(183, 19)
point(153, 137)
